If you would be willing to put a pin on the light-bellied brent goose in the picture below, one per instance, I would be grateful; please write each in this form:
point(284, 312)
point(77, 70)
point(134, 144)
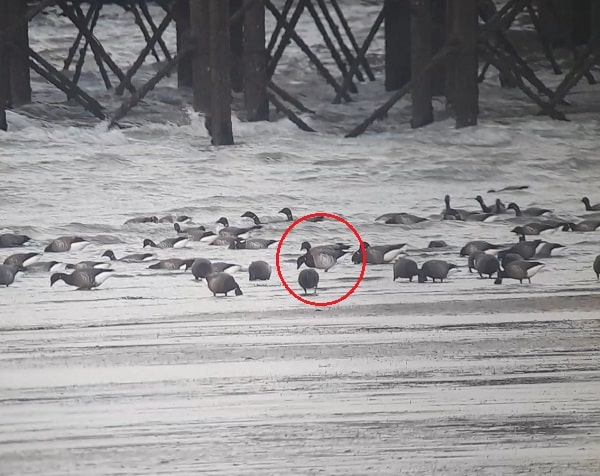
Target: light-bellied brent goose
point(321, 257)
point(436, 269)
point(66, 243)
point(259, 271)
point(400, 218)
point(222, 283)
point(251, 244)
point(10, 240)
point(531, 211)
point(178, 242)
point(405, 268)
point(87, 278)
point(8, 273)
point(201, 268)
point(308, 279)
point(172, 264)
point(519, 269)
point(131, 258)
point(142, 219)
point(233, 231)
point(379, 254)
point(23, 259)
point(589, 207)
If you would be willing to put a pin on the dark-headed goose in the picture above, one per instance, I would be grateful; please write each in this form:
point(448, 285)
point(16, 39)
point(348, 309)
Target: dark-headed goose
point(308, 279)
point(222, 283)
point(142, 219)
point(405, 268)
point(259, 271)
point(8, 273)
point(400, 218)
point(436, 269)
point(67, 243)
point(10, 240)
point(178, 242)
point(263, 220)
point(479, 245)
point(379, 254)
point(519, 269)
point(87, 278)
point(23, 259)
point(172, 264)
point(132, 258)
point(88, 264)
point(485, 264)
point(589, 207)
point(201, 268)
point(234, 231)
point(320, 257)
point(531, 211)
point(251, 244)
point(585, 225)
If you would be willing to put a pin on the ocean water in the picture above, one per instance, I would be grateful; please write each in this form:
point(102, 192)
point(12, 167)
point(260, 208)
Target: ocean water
point(152, 358)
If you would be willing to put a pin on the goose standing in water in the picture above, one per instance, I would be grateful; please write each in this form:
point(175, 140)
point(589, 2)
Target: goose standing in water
point(379, 254)
point(405, 268)
point(87, 278)
point(172, 264)
point(436, 269)
point(400, 218)
point(485, 264)
point(132, 258)
point(259, 271)
point(519, 269)
point(308, 279)
point(222, 283)
point(66, 243)
point(234, 231)
point(201, 268)
point(8, 272)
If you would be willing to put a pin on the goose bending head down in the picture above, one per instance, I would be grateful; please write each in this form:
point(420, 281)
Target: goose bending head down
point(222, 283)
point(87, 278)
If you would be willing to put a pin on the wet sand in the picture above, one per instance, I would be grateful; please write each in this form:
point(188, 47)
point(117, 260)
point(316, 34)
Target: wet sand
point(468, 386)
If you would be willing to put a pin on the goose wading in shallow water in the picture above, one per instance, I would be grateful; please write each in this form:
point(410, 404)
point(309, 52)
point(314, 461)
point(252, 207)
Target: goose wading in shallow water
point(142, 219)
point(263, 220)
point(519, 269)
point(172, 264)
point(66, 243)
point(178, 242)
point(495, 209)
point(405, 268)
point(88, 264)
point(479, 245)
point(87, 278)
point(308, 279)
point(400, 218)
point(234, 231)
point(585, 225)
point(484, 264)
point(8, 273)
point(193, 233)
point(288, 213)
point(379, 254)
point(201, 268)
point(10, 240)
point(589, 207)
point(23, 259)
point(222, 283)
point(251, 244)
point(531, 211)
point(132, 258)
point(259, 271)
point(436, 269)
point(526, 249)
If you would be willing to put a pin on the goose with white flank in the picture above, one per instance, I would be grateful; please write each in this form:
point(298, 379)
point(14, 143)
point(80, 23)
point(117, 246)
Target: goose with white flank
point(83, 279)
point(519, 269)
point(379, 254)
point(131, 258)
point(178, 242)
point(66, 243)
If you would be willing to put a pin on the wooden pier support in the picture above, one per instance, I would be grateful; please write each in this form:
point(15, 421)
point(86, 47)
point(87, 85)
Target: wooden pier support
point(4, 64)
point(464, 67)
point(200, 30)
point(20, 85)
point(218, 120)
point(421, 32)
point(236, 40)
point(397, 43)
point(255, 63)
point(181, 13)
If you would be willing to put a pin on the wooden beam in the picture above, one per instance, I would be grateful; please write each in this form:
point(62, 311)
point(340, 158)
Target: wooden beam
point(4, 64)
point(20, 84)
point(236, 42)
point(292, 116)
point(219, 118)
point(397, 43)
point(421, 33)
point(465, 66)
point(181, 14)
point(255, 63)
point(200, 30)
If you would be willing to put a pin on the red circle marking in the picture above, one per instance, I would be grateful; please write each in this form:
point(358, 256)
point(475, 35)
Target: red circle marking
point(362, 249)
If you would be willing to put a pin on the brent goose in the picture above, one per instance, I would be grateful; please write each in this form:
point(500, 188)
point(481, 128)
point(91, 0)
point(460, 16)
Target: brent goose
point(405, 268)
point(259, 271)
point(87, 278)
point(222, 283)
point(308, 279)
point(519, 269)
point(67, 243)
point(436, 269)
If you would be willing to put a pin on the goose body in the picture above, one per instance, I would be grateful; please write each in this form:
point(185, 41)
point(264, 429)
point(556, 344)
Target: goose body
point(259, 271)
point(131, 258)
point(589, 207)
point(201, 268)
point(495, 209)
point(251, 244)
point(546, 250)
point(519, 269)
point(234, 231)
point(485, 264)
point(435, 269)
point(66, 243)
point(526, 249)
point(88, 264)
point(597, 267)
point(405, 268)
point(321, 257)
point(308, 279)
point(142, 219)
point(479, 245)
point(379, 254)
point(534, 228)
point(178, 242)
point(263, 220)
point(585, 225)
point(23, 259)
point(172, 264)
point(10, 240)
point(450, 213)
point(222, 267)
point(531, 211)
point(87, 278)
point(400, 218)
point(193, 233)
point(437, 244)
point(8, 273)
point(174, 219)
point(288, 213)
point(222, 283)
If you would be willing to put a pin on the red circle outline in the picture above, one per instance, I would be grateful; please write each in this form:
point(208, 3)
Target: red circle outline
point(362, 249)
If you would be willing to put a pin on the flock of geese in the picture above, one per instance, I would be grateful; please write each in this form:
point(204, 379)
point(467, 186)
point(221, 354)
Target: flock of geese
point(518, 261)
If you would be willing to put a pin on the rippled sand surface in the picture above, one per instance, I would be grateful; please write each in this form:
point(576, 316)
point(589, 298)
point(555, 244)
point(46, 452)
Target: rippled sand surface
point(150, 374)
